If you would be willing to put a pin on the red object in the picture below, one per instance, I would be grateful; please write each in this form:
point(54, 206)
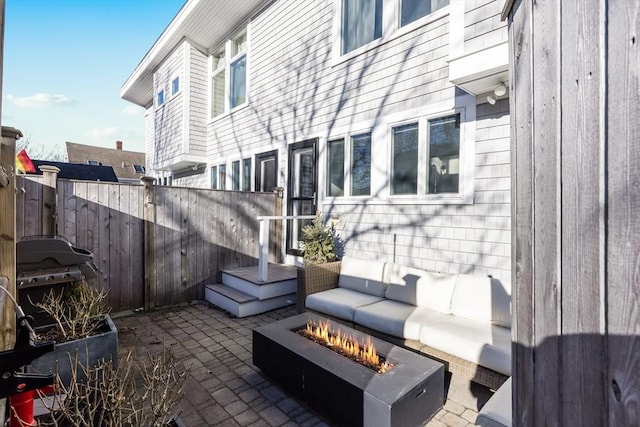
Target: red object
point(24, 163)
point(21, 406)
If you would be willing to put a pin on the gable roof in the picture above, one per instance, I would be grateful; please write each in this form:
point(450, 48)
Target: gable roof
point(205, 23)
point(122, 161)
point(78, 171)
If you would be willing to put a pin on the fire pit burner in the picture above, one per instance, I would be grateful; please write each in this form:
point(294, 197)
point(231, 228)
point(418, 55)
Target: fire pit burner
point(364, 353)
point(346, 392)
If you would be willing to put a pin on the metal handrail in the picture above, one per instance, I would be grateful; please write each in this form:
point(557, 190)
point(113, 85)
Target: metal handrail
point(263, 242)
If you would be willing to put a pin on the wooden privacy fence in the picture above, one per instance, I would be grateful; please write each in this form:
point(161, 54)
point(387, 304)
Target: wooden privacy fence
point(154, 246)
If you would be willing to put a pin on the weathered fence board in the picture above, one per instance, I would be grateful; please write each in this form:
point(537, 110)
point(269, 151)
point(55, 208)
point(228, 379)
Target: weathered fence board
point(195, 234)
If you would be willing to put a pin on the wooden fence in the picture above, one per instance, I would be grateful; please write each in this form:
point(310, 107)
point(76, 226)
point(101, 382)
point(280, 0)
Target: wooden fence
point(154, 246)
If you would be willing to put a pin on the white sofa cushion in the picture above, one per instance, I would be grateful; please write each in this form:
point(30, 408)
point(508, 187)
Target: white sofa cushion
point(479, 342)
point(481, 298)
point(362, 276)
point(396, 318)
point(339, 302)
point(419, 287)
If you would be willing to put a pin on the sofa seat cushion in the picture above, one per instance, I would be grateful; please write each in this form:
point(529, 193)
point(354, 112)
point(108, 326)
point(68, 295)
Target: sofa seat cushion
point(419, 287)
point(362, 276)
point(396, 318)
point(482, 343)
point(482, 298)
point(339, 302)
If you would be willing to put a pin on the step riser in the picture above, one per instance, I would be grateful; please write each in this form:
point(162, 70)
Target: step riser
point(249, 308)
point(262, 292)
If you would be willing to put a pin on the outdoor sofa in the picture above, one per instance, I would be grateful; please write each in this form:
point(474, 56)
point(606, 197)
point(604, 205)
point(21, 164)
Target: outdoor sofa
point(462, 320)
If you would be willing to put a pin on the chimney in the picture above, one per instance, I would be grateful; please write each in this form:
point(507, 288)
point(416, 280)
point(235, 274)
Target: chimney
point(118, 145)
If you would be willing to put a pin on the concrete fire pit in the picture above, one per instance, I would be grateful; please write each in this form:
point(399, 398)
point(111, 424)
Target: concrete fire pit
point(342, 389)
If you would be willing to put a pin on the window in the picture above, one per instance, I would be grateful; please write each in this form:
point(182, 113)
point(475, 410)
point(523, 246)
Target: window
point(246, 175)
point(229, 76)
point(361, 165)
point(444, 155)
point(222, 177)
point(94, 163)
point(218, 84)
point(412, 10)
point(160, 97)
point(138, 169)
point(175, 86)
point(235, 175)
point(214, 177)
point(335, 168)
point(404, 164)
point(361, 23)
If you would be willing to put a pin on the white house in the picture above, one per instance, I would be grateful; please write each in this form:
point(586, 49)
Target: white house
point(374, 112)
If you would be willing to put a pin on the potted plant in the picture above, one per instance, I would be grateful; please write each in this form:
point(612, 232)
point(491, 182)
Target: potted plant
point(135, 393)
point(82, 330)
point(319, 255)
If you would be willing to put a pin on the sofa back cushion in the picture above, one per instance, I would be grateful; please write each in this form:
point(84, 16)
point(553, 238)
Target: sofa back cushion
point(481, 298)
point(362, 276)
point(419, 287)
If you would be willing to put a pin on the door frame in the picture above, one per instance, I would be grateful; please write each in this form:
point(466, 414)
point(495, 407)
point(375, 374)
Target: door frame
point(307, 143)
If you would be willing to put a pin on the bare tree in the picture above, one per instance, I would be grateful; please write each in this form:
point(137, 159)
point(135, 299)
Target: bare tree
point(39, 151)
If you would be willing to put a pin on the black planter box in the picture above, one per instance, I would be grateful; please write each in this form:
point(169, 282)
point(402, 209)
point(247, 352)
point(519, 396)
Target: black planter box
point(343, 390)
point(91, 351)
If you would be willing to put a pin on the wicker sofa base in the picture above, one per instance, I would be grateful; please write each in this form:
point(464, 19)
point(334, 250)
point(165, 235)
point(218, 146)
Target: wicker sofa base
point(318, 278)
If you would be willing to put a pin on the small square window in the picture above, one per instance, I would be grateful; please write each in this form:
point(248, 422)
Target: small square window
point(160, 97)
point(175, 86)
point(138, 168)
point(94, 163)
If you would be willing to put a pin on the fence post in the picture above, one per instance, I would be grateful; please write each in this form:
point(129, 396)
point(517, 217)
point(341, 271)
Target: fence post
point(149, 216)
point(8, 233)
point(49, 199)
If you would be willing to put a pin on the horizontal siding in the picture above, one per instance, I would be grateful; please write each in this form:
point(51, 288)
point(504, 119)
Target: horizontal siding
point(149, 138)
point(168, 129)
point(483, 25)
point(197, 102)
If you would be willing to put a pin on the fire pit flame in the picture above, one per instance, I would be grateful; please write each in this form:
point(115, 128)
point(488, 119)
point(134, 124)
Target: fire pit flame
point(364, 353)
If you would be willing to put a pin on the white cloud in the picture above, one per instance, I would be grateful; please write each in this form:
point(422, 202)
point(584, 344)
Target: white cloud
point(41, 100)
point(132, 110)
point(104, 134)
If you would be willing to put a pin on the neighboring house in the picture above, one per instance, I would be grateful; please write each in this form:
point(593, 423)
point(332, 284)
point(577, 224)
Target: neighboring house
point(78, 171)
point(379, 113)
point(128, 166)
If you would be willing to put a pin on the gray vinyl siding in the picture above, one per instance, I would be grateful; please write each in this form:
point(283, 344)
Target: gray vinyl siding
point(198, 99)
point(483, 25)
point(169, 118)
point(149, 139)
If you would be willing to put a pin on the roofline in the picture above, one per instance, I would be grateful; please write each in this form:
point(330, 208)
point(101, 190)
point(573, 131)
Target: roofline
point(160, 43)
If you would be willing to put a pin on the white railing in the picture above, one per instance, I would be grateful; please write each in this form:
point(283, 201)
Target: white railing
point(263, 243)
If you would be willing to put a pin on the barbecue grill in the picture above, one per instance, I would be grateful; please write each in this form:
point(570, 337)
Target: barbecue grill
point(46, 262)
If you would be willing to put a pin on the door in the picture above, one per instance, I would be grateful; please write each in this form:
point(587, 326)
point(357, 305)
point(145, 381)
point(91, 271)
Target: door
point(302, 189)
point(266, 171)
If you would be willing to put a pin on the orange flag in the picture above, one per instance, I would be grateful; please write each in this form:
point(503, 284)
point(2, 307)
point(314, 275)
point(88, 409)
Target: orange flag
point(24, 163)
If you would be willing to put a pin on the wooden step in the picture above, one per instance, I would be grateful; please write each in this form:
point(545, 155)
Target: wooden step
point(240, 304)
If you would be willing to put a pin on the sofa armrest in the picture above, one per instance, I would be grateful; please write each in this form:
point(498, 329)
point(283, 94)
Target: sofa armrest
point(316, 278)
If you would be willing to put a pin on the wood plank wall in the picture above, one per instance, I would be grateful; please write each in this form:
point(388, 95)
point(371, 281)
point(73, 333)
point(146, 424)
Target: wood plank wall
point(195, 234)
point(575, 99)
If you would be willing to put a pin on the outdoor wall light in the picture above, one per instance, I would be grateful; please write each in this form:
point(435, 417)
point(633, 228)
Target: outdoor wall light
point(491, 99)
point(500, 90)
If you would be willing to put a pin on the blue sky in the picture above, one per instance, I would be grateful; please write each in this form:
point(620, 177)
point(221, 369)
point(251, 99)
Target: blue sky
point(65, 62)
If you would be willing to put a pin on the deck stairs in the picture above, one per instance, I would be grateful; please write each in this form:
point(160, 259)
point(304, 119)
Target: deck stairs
point(242, 294)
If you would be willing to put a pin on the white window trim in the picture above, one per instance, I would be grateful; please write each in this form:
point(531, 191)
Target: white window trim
point(381, 133)
point(227, 48)
point(391, 28)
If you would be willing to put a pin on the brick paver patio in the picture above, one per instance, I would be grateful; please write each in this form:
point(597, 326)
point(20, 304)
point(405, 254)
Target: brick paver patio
point(223, 387)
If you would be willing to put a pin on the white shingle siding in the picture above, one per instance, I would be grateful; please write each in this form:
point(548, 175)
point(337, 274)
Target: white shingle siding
point(149, 139)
